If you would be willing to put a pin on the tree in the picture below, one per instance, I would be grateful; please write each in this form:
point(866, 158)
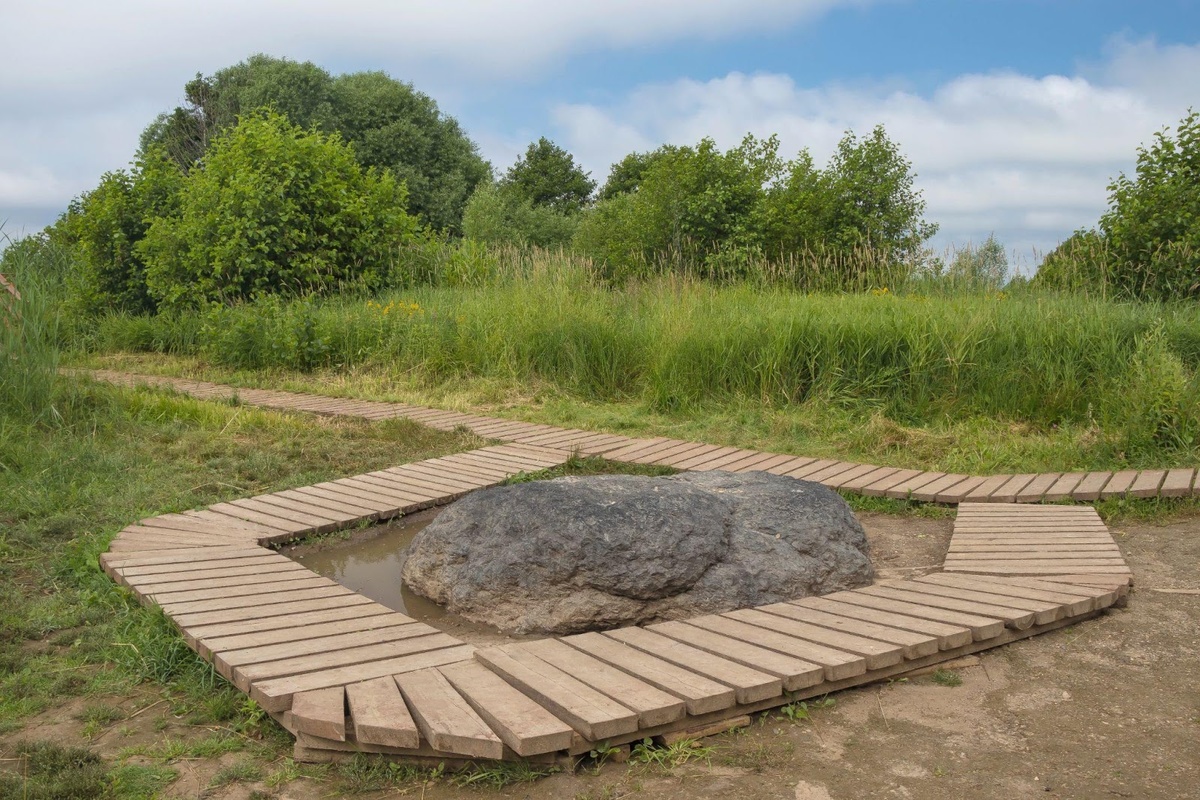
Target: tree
point(1153, 220)
point(389, 123)
point(626, 175)
point(715, 212)
point(105, 225)
point(498, 215)
point(548, 176)
point(983, 267)
point(275, 210)
point(864, 197)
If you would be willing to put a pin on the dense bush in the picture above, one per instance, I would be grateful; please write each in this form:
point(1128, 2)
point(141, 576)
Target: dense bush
point(1148, 242)
point(1153, 221)
point(276, 210)
point(715, 214)
point(498, 215)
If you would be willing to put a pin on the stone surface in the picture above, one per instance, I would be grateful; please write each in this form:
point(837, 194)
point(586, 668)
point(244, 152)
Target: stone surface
point(590, 553)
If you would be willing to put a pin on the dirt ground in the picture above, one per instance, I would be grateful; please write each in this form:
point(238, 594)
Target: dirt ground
point(1107, 708)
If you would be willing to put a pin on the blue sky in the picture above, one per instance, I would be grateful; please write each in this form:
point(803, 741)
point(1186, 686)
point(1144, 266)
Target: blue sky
point(1015, 113)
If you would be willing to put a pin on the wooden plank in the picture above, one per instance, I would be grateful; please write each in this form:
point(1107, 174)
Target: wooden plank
point(264, 613)
point(1022, 568)
point(1061, 489)
point(916, 593)
point(1037, 488)
point(959, 491)
point(749, 685)
point(279, 523)
point(701, 694)
point(227, 660)
point(1101, 598)
point(1007, 492)
point(765, 465)
point(790, 465)
point(929, 492)
point(174, 581)
point(167, 596)
point(245, 675)
point(703, 458)
point(292, 510)
point(1146, 483)
point(739, 642)
point(812, 467)
point(946, 636)
point(1044, 611)
point(984, 490)
point(904, 489)
point(185, 555)
point(1177, 483)
point(522, 724)
point(877, 654)
point(912, 645)
point(751, 462)
point(1090, 487)
point(444, 718)
point(880, 486)
point(653, 706)
point(321, 712)
point(866, 479)
point(1119, 483)
point(831, 472)
point(276, 695)
point(849, 476)
point(292, 628)
point(982, 628)
point(1073, 605)
point(596, 716)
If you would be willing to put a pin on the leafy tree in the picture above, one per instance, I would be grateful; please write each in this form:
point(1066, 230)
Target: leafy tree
point(499, 215)
point(698, 208)
point(275, 210)
point(105, 225)
point(626, 175)
point(1153, 221)
point(863, 198)
point(548, 176)
point(983, 267)
point(389, 123)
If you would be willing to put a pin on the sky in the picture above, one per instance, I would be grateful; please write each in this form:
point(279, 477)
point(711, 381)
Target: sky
point(1015, 114)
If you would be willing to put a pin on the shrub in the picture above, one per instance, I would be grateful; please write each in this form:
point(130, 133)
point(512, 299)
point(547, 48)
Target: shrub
point(1153, 221)
point(275, 210)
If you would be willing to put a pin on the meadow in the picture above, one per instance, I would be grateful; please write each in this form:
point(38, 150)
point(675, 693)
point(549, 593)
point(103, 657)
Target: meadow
point(1023, 379)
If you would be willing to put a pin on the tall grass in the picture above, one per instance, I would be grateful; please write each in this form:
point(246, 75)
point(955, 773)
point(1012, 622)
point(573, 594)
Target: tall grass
point(29, 330)
point(677, 344)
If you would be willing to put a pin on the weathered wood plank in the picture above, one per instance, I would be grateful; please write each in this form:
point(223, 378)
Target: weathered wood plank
point(444, 718)
point(595, 715)
point(522, 724)
point(321, 712)
point(750, 685)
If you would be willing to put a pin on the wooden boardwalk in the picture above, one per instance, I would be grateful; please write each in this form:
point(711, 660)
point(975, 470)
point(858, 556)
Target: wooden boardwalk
point(346, 674)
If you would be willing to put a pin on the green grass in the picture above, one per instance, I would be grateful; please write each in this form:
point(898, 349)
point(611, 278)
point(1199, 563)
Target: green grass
point(971, 382)
point(946, 677)
point(109, 458)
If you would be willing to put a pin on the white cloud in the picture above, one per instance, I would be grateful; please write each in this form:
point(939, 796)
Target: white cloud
point(79, 79)
point(1026, 157)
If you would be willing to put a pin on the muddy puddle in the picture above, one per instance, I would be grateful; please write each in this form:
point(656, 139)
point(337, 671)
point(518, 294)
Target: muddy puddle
point(369, 561)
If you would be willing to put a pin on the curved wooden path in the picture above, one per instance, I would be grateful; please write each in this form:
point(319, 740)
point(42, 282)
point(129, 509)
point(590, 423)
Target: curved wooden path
point(346, 674)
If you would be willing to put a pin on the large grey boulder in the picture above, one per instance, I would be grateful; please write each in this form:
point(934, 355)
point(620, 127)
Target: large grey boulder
point(588, 553)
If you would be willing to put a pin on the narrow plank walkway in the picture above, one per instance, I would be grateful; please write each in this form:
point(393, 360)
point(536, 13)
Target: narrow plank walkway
point(345, 674)
point(866, 479)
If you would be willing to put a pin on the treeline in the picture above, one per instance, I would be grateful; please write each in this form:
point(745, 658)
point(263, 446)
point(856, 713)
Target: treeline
point(277, 178)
